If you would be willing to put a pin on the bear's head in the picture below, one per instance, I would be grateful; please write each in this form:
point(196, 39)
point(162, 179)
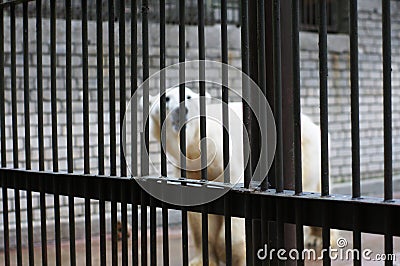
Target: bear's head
point(191, 112)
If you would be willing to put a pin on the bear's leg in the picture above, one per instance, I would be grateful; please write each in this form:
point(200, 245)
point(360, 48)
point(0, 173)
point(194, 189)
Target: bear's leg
point(214, 226)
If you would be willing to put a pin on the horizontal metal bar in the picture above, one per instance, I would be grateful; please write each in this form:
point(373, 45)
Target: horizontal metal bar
point(14, 2)
point(340, 206)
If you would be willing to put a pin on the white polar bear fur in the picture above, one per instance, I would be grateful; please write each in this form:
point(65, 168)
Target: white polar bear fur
point(311, 157)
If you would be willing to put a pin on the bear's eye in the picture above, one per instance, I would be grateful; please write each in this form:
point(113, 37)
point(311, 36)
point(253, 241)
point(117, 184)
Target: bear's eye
point(189, 97)
point(167, 99)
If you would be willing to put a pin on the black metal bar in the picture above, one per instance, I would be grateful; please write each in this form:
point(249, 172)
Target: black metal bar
point(134, 72)
point(296, 97)
point(246, 93)
point(323, 78)
point(40, 128)
point(122, 104)
point(13, 2)
point(14, 88)
point(86, 163)
point(54, 125)
point(2, 105)
point(6, 225)
point(203, 124)
point(39, 82)
point(26, 87)
point(68, 54)
point(297, 125)
point(135, 234)
point(114, 237)
point(278, 95)
point(163, 132)
point(338, 205)
point(124, 224)
point(102, 213)
point(387, 121)
point(122, 85)
point(17, 209)
point(387, 101)
point(145, 136)
point(53, 84)
point(153, 233)
point(70, 160)
point(111, 52)
point(27, 131)
point(225, 122)
point(262, 81)
point(113, 167)
point(182, 133)
point(88, 231)
point(100, 126)
point(355, 127)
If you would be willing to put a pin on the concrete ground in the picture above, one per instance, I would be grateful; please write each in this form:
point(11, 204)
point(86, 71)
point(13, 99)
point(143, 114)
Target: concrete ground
point(373, 242)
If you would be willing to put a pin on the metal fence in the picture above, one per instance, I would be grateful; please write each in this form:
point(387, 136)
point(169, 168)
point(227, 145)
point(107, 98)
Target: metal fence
point(270, 56)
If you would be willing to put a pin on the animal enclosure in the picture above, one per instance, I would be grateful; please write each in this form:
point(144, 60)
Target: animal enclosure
point(68, 70)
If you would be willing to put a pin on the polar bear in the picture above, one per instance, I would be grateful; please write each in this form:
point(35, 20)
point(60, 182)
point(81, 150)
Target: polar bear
point(311, 158)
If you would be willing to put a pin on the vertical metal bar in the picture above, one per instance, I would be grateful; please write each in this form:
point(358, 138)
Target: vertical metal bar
point(323, 77)
point(122, 85)
point(355, 127)
point(387, 87)
point(163, 132)
point(17, 210)
point(113, 168)
point(182, 139)
point(27, 132)
point(278, 117)
point(278, 95)
point(122, 104)
point(296, 97)
point(247, 113)
point(40, 128)
point(54, 125)
point(53, 84)
point(124, 222)
point(297, 126)
point(145, 136)
point(134, 72)
point(26, 87)
point(246, 93)
point(387, 121)
point(3, 144)
point(114, 237)
point(262, 83)
point(225, 122)
point(203, 129)
point(2, 83)
point(70, 160)
point(14, 87)
point(111, 52)
point(153, 233)
point(100, 126)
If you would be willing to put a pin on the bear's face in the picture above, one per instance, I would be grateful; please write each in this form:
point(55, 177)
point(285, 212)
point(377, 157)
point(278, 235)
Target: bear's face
point(191, 109)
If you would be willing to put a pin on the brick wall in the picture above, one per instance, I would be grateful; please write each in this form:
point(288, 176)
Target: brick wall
point(371, 106)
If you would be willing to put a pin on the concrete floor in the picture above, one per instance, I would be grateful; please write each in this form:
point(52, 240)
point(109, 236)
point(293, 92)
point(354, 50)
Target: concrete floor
point(373, 242)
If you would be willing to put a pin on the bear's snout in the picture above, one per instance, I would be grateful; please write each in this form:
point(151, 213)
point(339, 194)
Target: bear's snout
point(175, 117)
